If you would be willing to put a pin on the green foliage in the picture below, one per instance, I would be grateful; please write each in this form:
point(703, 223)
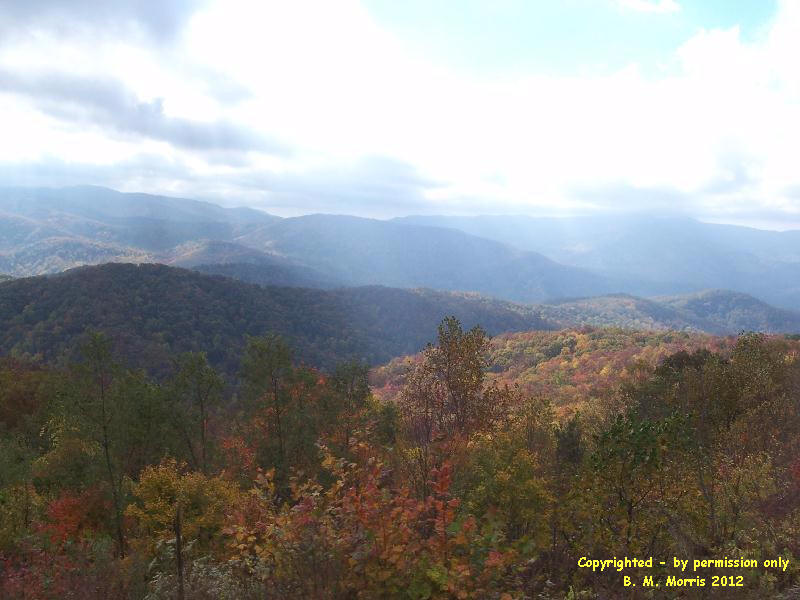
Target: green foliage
point(194, 393)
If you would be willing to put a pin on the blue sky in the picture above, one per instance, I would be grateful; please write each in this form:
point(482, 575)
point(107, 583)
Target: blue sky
point(559, 37)
point(383, 108)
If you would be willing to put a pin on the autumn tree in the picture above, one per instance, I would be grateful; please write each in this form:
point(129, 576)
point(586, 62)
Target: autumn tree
point(286, 406)
point(266, 368)
point(168, 487)
point(345, 402)
point(108, 423)
point(445, 397)
point(195, 390)
point(102, 412)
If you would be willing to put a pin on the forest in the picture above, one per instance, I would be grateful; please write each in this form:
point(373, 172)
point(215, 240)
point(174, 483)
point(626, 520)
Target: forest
point(373, 300)
point(479, 468)
point(152, 312)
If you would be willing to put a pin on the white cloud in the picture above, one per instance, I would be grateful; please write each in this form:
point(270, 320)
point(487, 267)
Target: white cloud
point(661, 6)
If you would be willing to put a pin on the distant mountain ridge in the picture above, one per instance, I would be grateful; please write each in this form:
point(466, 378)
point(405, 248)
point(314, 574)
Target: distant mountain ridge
point(59, 229)
point(733, 312)
point(678, 254)
point(517, 258)
point(45, 230)
point(152, 312)
point(358, 251)
point(720, 312)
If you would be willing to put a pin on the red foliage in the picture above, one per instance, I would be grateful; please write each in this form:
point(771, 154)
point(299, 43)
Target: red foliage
point(74, 571)
point(71, 515)
point(239, 456)
point(795, 468)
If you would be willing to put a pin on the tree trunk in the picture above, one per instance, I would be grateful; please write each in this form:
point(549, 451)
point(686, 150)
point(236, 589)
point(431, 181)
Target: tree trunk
point(112, 480)
point(179, 551)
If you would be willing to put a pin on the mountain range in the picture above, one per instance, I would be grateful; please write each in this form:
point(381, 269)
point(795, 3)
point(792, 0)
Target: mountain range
point(637, 271)
point(50, 230)
point(675, 255)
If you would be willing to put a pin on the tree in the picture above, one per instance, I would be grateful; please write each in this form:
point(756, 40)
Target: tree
point(286, 407)
point(350, 390)
point(108, 423)
point(637, 462)
point(266, 367)
point(166, 489)
point(195, 390)
point(101, 409)
point(445, 399)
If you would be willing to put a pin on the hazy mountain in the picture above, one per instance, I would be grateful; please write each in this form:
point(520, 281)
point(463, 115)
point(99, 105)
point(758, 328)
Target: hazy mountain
point(191, 254)
point(360, 251)
point(153, 311)
point(54, 229)
point(55, 254)
point(522, 259)
point(46, 230)
point(671, 253)
point(99, 205)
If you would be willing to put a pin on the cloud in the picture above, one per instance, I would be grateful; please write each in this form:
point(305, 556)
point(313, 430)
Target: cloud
point(650, 6)
point(107, 102)
point(142, 172)
point(793, 192)
point(627, 198)
point(369, 124)
point(736, 175)
point(374, 185)
point(159, 20)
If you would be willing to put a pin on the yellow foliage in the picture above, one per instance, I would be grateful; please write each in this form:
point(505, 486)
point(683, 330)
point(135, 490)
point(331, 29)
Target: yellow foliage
point(204, 502)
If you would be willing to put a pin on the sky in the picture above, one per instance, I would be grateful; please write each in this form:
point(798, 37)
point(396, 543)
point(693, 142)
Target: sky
point(382, 108)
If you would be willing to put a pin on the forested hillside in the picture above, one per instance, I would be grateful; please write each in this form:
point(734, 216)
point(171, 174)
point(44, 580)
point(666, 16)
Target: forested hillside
point(733, 312)
point(622, 310)
point(291, 483)
point(574, 368)
point(152, 312)
point(711, 311)
point(278, 273)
